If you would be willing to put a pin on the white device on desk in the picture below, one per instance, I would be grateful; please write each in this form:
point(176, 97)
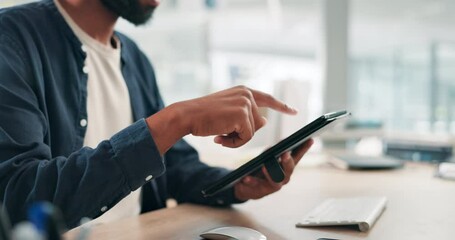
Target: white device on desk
point(233, 232)
point(360, 211)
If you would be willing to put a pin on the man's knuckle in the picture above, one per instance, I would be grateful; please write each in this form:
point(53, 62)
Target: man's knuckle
point(244, 101)
point(241, 87)
point(248, 94)
point(244, 91)
point(244, 106)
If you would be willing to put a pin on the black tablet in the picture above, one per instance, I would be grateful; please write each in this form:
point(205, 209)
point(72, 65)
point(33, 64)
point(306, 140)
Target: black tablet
point(269, 158)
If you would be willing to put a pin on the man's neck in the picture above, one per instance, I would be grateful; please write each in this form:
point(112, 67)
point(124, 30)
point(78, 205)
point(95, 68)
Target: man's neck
point(92, 17)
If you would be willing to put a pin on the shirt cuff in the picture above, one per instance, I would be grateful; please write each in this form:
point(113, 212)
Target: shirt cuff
point(136, 153)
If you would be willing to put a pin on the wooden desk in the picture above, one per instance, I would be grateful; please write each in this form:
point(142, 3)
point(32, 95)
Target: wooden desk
point(419, 207)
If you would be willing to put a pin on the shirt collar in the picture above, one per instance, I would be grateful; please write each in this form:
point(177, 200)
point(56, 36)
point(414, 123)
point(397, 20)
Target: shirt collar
point(66, 29)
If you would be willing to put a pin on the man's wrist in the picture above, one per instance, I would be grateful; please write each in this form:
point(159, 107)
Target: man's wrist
point(181, 121)
point(167, 127)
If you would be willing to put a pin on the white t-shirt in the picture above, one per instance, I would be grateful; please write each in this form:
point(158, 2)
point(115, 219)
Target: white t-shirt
point(108, 105)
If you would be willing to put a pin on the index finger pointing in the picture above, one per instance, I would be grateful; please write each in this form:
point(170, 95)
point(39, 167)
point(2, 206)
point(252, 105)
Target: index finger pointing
point(266, 100)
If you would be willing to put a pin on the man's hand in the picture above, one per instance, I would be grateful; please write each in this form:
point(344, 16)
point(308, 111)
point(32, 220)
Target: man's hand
point(254, 188)
point(231, 115)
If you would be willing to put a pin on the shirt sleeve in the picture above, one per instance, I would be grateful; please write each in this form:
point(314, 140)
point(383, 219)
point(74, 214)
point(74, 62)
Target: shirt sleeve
point(84, 184)
point(187, 176)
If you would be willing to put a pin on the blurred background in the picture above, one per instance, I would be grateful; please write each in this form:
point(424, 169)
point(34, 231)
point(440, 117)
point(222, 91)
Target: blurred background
point(391, 63)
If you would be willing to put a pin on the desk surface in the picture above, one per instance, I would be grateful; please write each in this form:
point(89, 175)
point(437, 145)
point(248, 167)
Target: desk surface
point(419, 207)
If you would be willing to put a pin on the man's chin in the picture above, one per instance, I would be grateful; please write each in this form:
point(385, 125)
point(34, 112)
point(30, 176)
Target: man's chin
point(138, 20)
point(130, 10)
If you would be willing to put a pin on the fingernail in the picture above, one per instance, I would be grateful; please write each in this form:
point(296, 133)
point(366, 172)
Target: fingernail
point(217, 140)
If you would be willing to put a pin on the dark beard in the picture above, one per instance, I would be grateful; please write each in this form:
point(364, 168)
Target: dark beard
point(130, 10)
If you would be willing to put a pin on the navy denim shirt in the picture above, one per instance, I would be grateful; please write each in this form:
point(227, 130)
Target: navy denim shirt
point(43, 97)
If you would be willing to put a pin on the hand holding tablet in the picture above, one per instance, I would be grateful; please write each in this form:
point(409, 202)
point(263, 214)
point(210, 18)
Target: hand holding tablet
point(259, 183)
point(269, 158)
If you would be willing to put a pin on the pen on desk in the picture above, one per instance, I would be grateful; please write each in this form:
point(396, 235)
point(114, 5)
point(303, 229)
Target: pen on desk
point(26, 231)
point(47, 219)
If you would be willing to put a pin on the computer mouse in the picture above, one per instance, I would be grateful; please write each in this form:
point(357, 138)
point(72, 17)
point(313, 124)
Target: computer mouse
point(233, 232)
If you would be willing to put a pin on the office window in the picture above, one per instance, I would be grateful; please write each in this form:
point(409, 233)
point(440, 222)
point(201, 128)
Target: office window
point(402, 64)
point(445, 77)
point(197, 49)
point(186, 41)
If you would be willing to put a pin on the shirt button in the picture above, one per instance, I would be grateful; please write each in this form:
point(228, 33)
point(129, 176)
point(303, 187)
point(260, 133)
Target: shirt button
point(84, 48)
point(103, 209)
point(85, 69)
point(83, 122)
point(148, 177)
